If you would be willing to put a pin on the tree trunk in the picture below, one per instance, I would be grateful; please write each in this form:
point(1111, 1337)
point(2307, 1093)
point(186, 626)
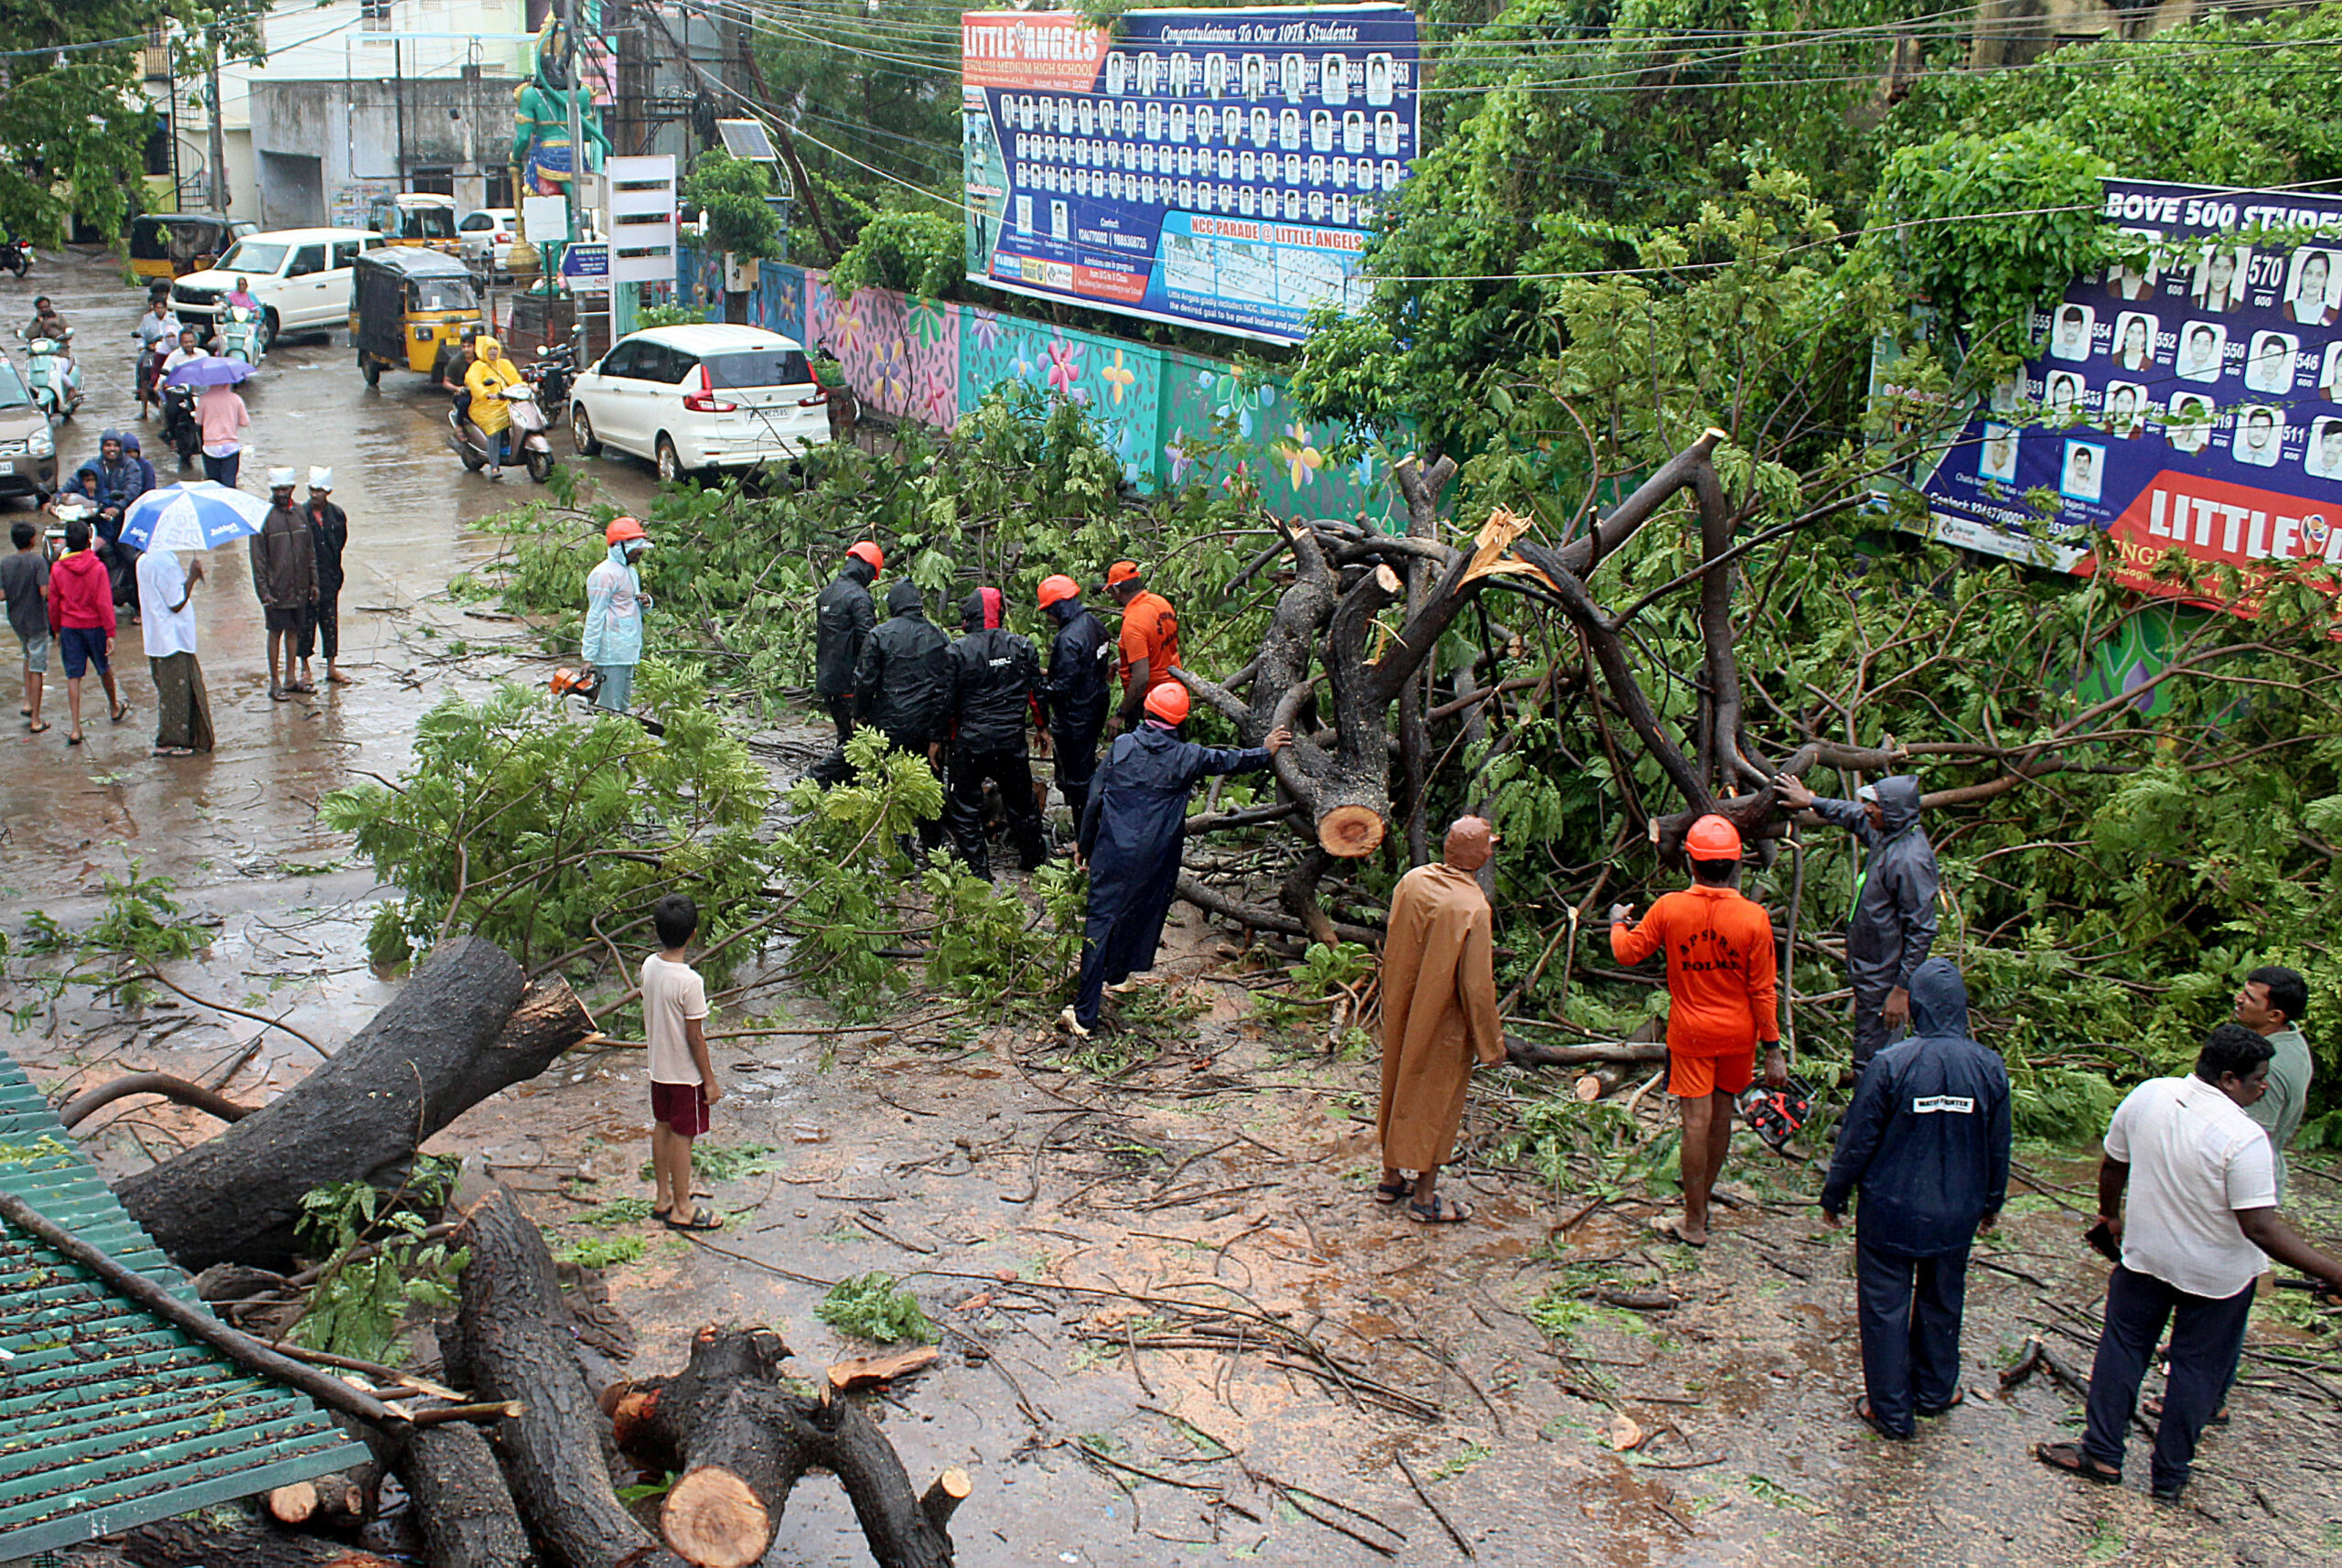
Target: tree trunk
point(516, 1336)
point(447, 1041)
point(177, 1543)
point(1593, 1054)
point(461, 1502)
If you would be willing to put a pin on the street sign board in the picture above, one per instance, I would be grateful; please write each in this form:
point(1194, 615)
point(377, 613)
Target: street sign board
point(581, 264)
point(642, 226)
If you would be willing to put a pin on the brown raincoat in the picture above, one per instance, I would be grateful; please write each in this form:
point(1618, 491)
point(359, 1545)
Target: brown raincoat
point(285, 561)
point(1439, 1012)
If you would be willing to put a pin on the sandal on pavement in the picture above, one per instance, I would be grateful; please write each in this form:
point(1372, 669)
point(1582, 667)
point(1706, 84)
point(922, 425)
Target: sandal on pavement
point(72, 740)
point(2070, 1457)
point(303, 687)
point(1439, 1211)
point(1958, 1398)
point(172, 751)
point(338, 679)
point(1869, 1417)
point(1393, 1191)
point(698, 1221)
point(41, 728)
point(279, 694)
point(121, 711)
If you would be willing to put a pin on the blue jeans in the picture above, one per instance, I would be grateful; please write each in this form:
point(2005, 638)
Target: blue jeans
point(2207, 1340)
point(222, 470)
point(1909, 1310)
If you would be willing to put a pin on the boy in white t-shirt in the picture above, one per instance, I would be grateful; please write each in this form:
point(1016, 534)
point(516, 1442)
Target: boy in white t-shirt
point(682, 1081)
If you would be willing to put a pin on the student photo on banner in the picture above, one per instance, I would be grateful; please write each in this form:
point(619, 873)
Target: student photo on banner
point(2310, 285)
point(2062, 393)
point(2188, 426)
point(2200, 343)
point(2260, 438)
point(1354, 133)
point(1378, 81)
point(1289, 130)
point(1293, 77)
point(1386, 134)
point(1260, 132)
point(1321, 130)
point(2069, 333)
point(1215, 75)
point(2134, 340)
point(1334, 80)
point(1182, 74)
point(2126, 409)
point(1996, 456)
point(1118, 71)
point(1256, 76)
point(1150, 74)
point(2329, 374)
point(2324, 458)
point(2270, 367)
point(2129, 281)
point(2219, 277)
point(2085, 471)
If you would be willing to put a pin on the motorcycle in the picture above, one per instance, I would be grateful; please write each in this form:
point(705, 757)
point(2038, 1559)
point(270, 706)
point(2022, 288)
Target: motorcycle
point(180, 427)
point(241, 336)
point(51, 376)
point(529, 446)
point(555, 370)
point(17, 255)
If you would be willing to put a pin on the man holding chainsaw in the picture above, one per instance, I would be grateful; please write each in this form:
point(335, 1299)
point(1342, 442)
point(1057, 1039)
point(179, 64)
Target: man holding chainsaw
point(612, 638)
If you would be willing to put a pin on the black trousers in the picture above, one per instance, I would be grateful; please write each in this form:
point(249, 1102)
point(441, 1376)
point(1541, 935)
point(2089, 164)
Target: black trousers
point(1908, 1310)
point(963, 806)
point(2207, 1340)
point(1074, 738)
point(322, 623)
point(841, 714)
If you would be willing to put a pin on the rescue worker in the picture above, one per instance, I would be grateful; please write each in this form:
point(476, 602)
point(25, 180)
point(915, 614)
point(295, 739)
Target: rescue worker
point(898, 686)
point(842, 619)
point(490, 374)
point(1927, 1142)
point(1722, 1004)
point(1074, 692)
point(1894, 920)
point(1149, 642)
point(1132, 835)
point(991, 681)
point(611, 640)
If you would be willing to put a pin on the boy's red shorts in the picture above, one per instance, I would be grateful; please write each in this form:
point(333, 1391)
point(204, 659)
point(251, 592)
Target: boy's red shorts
point(682, 1106)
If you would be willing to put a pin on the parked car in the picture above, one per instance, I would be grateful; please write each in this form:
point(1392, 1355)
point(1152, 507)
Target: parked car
point(700, 397)
point(27, 440)
point(485, 237)
point(300, 277)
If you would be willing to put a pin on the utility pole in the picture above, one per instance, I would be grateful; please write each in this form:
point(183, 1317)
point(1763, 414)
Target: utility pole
point(218, 132)
point(573, 58)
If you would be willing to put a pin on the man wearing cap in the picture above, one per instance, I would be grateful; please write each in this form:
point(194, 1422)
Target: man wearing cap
point(1150, 639)
point(1133, 833)
point(490, 374)
point(1439, 1016)
point(1893, 925)
point(611, 639)
point(842, 619)
point(1074, 692)
point(1721, 972)
point(284, 580)
point(991, 680)
point(329, 534)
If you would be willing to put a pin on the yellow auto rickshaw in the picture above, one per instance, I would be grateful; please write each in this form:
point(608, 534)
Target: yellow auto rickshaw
point(168, 245)
point(407, 307)
point(415, 217)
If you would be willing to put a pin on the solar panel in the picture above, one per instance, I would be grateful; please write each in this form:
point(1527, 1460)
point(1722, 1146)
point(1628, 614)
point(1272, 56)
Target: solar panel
point(746, 139)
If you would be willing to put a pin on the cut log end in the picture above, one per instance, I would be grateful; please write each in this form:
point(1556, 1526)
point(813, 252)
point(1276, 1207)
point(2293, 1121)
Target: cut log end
point(944, 1498)
point(292, 1505)
point(712, 1518)
point(1350, 831)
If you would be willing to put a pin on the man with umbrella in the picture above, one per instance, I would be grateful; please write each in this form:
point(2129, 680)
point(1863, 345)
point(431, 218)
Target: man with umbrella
point(284, 580)
point(165, 523)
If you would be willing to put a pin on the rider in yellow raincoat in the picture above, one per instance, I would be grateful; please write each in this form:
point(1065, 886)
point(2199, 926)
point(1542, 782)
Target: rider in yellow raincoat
point(490, 373)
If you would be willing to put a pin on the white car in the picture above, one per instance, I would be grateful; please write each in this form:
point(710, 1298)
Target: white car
point(485, 237)
point(300, 277)
point(708, 396)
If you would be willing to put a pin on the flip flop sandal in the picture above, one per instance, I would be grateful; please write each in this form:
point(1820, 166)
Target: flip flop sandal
point(340, 680)
point(72, 740)
point(2070, 1457)
point(1440, 1211)
point(696, 1222)
point(276, 694)
point(41, 728)
point(172, 751)
point(303, 687)
point(121, 711)
point(1393, 1191)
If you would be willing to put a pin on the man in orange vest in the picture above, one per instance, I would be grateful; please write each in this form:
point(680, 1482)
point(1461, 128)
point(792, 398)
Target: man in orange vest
point(1720, 1005)
point(1150, 640)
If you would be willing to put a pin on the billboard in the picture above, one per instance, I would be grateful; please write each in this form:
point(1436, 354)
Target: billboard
point(2191, 403)
point(1213, 168)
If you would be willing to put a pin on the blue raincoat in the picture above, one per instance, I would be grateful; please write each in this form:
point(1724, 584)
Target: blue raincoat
point(612, 632)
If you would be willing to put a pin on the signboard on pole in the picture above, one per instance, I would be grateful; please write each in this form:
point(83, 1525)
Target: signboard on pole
point(1214, 168)
point(587, 267)
point(2193, 404)
point(643, 213)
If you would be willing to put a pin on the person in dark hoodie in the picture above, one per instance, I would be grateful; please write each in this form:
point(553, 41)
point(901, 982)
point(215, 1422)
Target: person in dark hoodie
point(1927, 1142)
point(1076, 690)
point(843, 619)
point(1132, 835)
point(992, 678)
point(899, 683)
point(1894, 920)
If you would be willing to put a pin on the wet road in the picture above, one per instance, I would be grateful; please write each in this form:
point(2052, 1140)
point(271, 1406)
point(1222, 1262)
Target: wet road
point(68, 815)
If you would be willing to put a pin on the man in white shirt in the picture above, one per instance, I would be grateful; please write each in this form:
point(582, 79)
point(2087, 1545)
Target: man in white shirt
point(2201, 1226)
point(166, 620)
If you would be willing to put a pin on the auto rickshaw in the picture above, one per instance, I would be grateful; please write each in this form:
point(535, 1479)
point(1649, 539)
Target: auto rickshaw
point(406, 308)
point(169, 245)
point(415, 217)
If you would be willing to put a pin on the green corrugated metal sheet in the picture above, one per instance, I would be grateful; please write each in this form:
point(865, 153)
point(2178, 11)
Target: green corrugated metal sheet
point(109, 1417)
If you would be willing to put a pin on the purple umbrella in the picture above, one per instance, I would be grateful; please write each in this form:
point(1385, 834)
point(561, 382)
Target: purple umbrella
point(211, 370)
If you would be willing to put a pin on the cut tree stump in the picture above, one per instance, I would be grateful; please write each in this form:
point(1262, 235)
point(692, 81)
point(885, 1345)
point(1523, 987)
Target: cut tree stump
point(332, 1502)
point(177, 1543)
point(461, 1029)
point(1604, 1079)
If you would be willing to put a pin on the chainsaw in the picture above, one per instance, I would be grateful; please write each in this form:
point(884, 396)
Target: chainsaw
point(1777, 1115)
point(587, 683)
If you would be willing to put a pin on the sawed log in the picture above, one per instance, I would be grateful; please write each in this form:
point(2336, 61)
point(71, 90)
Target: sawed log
point(176, 1542)
point(465, 1026)
point(461, 1503)
point(1631, 1053)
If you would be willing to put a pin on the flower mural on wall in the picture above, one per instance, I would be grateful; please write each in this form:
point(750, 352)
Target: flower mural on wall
point(1301, 459)
point(891, 378)
point(1175, 450)
point(1065, 369)
point(1118, 376)
point(925, 320)
point(984, 327)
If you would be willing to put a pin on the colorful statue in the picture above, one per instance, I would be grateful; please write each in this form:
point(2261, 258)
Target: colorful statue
point(540, 115)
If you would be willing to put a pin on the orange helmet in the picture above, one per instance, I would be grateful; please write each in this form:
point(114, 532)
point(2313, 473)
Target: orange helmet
point(1713, 838)
point(1168, 703)
point(1059, 588)
point(622, 529)
point(868, 550)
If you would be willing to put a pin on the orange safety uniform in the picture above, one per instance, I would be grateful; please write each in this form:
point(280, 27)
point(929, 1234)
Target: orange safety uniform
point(1720, 970)
point(1150, 631)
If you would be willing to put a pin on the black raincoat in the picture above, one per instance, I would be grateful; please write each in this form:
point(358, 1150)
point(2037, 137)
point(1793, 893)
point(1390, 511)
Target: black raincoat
point(1927, 1139)
point(900, 677)
point(842, 620)
point(1081, 666)
point(991, 675)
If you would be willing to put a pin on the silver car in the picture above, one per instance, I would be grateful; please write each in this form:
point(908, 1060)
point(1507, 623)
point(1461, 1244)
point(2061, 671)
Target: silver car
point(27, 440)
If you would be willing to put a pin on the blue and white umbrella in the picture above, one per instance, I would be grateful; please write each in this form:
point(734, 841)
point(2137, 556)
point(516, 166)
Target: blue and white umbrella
point(211, 370)
point(197, 516)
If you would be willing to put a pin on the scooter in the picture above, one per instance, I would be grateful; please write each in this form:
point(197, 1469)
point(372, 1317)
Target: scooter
point(51, 376)
point(529, 446)
point(241, 335)
point(180, 427)
point(555, 370)
point(71, 506)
